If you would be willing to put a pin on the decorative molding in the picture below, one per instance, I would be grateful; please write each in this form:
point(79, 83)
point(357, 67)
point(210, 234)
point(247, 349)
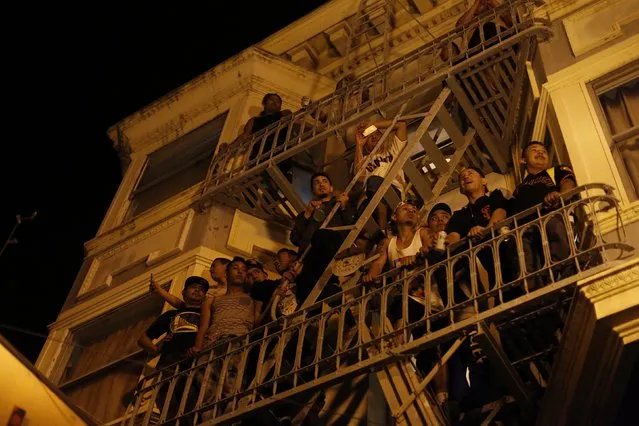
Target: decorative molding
point(611, 282)
point(593, 67)
point(89, 286)
point(629, 214)
point(338, 35)
point(175, 205)
point(598, 24)
point(304, 55)
point(90, 275)
point(102, 303)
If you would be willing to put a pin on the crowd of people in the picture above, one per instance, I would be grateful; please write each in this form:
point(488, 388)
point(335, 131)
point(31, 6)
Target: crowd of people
point(243, 297)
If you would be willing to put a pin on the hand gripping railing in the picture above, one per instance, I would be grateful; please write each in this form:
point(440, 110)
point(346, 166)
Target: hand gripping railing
point(315, 348)
point(384, 86)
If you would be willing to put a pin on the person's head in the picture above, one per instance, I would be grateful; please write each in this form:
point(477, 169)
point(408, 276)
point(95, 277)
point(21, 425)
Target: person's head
point(236, 272)
point(255, 271)
point(285, 257)
point(195, 289)
point(535, 156)
point(218, 269)
point(370, 140)
point(439, 216)
point(272, 102)
point(472, 181)
point(321, 185)
point(405, 214)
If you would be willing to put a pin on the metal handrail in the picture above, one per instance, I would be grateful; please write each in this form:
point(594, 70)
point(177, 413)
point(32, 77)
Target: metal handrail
point(322, 117)
point(314, 368)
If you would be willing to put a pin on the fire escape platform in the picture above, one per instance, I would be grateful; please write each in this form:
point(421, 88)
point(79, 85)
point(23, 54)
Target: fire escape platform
point(487, 82)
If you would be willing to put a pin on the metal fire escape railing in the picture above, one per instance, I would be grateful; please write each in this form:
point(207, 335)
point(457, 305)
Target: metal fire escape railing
point(352, 332)
point(486, 81)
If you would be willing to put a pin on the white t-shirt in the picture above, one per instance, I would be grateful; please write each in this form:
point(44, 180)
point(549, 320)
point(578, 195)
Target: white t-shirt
point(382, 162)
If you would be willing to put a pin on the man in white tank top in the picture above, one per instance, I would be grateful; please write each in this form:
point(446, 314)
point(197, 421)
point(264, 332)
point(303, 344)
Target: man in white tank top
point(408, 241)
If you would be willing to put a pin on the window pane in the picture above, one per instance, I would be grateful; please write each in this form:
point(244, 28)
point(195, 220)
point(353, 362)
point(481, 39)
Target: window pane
point(620, 108)
point(177, 166)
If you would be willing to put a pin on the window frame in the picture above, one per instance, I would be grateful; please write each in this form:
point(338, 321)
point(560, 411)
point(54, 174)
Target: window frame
point(130, 209)
point(596, 88)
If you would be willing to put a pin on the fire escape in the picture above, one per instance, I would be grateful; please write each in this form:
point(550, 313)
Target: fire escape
point(467, 107)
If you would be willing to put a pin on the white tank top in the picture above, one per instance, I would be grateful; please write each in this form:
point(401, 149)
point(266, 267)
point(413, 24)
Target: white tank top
point(395, 253)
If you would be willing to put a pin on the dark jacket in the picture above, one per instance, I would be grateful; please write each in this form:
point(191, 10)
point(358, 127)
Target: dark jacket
point(305, 228)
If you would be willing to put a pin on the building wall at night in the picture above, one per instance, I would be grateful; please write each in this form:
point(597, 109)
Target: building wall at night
point(170, 239)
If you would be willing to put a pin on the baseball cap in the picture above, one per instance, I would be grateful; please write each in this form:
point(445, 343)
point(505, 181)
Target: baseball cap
point(477, 169)
point(440, 206)
point(254, 263)
point(195, 280)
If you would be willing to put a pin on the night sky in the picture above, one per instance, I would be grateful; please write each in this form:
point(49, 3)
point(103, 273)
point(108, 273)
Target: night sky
point(69, 75)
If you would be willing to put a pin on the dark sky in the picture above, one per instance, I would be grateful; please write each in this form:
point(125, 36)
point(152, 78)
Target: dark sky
point(69, 75)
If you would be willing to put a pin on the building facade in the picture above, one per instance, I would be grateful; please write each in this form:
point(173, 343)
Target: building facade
point(579, 93)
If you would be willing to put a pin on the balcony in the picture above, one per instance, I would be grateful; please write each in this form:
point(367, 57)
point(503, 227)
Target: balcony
point(486, 80)
point(505, 320)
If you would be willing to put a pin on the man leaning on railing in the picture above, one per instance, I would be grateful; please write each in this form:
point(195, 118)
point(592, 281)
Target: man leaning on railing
point(181, 327)
point(543, 184)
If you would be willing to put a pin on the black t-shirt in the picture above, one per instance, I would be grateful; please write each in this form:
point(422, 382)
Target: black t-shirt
point(534, 188)
point(476, 214)
point(263, 291)
point(183, 324)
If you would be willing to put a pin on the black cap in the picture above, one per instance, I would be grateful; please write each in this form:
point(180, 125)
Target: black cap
point(440, 206)
point(195, 280)
point(254, 263)
point(477, 169)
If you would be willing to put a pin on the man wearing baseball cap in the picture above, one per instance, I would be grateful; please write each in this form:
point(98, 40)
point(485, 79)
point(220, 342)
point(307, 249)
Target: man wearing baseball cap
point(181, 327)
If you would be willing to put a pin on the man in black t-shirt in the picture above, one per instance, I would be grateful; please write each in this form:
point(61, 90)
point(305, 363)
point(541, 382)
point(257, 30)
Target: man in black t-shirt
point(484, 209)
point(180, 326)
point(543, 185)
point(262, 288)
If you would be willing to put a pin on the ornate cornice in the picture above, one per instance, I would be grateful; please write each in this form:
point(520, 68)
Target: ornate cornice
point(154, 217)
point(100, 304)
point(612, 282)
point(210, 94)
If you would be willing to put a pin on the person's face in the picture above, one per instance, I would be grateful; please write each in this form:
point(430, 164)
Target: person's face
point(536, 156)
point(236, 274)
point(273, 104)
point(194, 293)
point(372, 140)
point(255, 275)
point(218, 271)
point(322, 186)
point(438, 220)
point(470, 181)
point(283, 261)
point(405, 214)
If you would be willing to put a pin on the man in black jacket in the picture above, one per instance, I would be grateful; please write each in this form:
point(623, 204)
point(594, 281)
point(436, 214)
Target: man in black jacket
point(324, 243)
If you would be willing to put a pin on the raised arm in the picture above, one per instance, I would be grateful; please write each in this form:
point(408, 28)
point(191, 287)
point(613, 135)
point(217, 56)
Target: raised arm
point(248, 129)
point(401, 127)
point(147, 344)
point(174, 301)
point(205, 321)
point(377, 266)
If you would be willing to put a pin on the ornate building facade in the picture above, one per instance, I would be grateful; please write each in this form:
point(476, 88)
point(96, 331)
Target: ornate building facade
point(576, 89)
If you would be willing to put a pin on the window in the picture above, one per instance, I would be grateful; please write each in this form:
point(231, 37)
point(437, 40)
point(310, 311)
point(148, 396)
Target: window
point(176, 166)
point(106, 362)
point(618, 101)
